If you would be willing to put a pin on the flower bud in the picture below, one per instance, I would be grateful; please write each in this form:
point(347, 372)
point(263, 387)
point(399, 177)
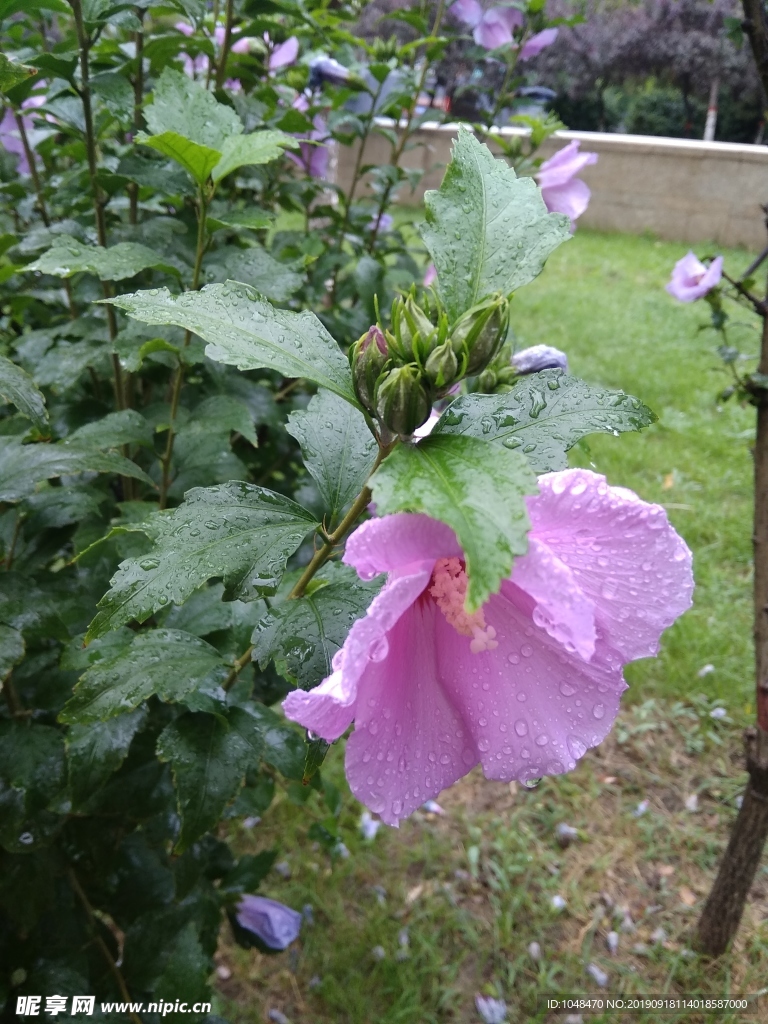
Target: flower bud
point(480, 333)
point(369, 357)
point(414, 335)
point(442, 366)
point(402, 403)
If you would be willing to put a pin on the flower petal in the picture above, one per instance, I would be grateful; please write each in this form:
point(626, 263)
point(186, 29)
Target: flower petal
point(493, 30)
point(284, 54)
point(562, 609)
point(571, 199)
point(468, 11)
point(532, 708)
point(532, 47)
point(329, 708)
point(564, 165)
point(624, 553)
point(409, 741)
point(395, 542)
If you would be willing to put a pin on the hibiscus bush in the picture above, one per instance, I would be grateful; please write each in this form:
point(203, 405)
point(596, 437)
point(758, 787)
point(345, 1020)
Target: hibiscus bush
point(245, 459)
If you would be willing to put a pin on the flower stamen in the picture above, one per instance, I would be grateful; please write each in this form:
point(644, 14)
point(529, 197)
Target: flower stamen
point(449, 589)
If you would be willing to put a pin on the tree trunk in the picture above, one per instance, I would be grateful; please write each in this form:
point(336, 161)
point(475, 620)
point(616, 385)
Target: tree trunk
point(725, 904)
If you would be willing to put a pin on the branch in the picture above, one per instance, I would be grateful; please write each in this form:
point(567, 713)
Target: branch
point(319, 558)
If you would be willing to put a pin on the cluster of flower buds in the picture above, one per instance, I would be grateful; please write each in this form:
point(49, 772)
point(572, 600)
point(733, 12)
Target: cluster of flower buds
point(399, 373)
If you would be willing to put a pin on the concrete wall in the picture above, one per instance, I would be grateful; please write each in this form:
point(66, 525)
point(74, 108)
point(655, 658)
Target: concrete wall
point(679, 189)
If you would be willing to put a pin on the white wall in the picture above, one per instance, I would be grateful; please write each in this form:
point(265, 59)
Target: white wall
point(679, 189)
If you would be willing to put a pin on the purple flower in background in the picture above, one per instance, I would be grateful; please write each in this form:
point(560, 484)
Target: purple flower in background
point(526, 684)
point(383, 223)
point(326, 69)
point(271, 922)
point(284, 54)
point(10, 139)
point(430, 275)
point(539, 357)
point(490, 29)
point(561, 190)
point(532, 47)
point(691, 279)
point(314, 157)
point(195, 66)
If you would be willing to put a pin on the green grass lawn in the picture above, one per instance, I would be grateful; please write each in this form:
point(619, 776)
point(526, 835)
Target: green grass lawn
point(601, 299)
point(412, 925)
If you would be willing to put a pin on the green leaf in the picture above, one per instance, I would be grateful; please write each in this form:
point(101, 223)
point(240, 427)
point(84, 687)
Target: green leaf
point(12, 73)
point(255, 267)
point(166, 662)
point(338, 448)
point(317, 751)
point(54, 507)
point(476, 488)
point(487, 230)
point(114, 430)
point(23, 466)
point(302, 635)
point(96, 750)
point(185, 107)
point(32, 775)
point(244, 330)
point(197, 160)
point(11, 650)
point(159, 175)
point(209, 758)
point(249, 872)
point(235, 532)
point(251, 219)
point(17, 386)
point(67, 256)
point(258, 148)
point(284, 747)
point(544, 415)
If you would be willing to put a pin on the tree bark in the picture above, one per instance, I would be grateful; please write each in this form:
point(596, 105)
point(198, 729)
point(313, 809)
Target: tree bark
point(725, 905)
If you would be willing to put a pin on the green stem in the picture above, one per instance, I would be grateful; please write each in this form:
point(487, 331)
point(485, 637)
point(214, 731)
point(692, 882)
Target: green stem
point(178, 380)
point(356, 175)
point(511, 65)
point(138, 99)
point(221, 69)
point(319, 558)
point(101, 944)
point(398, 150)
point(32, 169)
point(84, 44)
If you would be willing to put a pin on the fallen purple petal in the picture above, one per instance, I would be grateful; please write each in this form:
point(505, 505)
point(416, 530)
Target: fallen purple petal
point(276, 925)
point(369, 825)
point(598, 975)
point(612, 942)
point(492, 1011)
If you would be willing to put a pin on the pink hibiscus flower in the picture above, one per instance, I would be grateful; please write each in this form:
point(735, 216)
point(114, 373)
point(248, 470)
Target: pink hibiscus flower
point(10, 139)
point(691, 279)
point(525, 685)
point(490, 29)
point(284, 54)
point(532, 47)
point(561, 190)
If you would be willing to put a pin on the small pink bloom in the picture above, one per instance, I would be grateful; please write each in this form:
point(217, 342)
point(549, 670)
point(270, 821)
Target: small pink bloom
point(532, 47)
point(383, 223)
point(184, 28)
point(492, 28)
point(284, 54)
point(691, 279)
point(468, 11)
point(527, 684)
point(10, 139)
point(561, 190)
point(430, 275)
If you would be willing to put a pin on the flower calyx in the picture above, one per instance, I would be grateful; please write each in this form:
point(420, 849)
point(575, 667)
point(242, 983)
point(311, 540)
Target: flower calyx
point(480, 332)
